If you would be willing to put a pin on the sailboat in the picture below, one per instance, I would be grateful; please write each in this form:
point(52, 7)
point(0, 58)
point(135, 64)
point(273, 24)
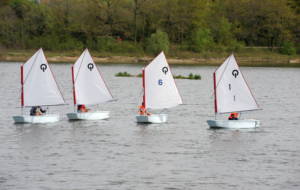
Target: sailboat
point(38, 88)
point(232, 94)
point(160, 91)
point(89, 88)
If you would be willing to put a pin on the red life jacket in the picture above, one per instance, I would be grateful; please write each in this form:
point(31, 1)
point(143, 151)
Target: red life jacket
point(233, 115)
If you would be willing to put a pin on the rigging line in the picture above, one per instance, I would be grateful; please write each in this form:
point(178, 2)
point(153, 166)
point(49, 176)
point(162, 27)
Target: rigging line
point(79, 67)
point(44, 105)
point(134, 103)
point(100, 75)
point(241, 111)
point(58, 88)
point(141, 93)
point(213, 92)
point(34, 61)
point(250, 90)
point(173, 78)
point(223, 72)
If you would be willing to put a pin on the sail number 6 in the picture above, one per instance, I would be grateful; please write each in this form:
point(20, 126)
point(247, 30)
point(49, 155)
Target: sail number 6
point(160, 82)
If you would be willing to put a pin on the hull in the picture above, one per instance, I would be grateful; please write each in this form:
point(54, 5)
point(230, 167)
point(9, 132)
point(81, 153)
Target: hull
point(51, 118)
point(154, 118)
point(88, 115)
point(234, 124)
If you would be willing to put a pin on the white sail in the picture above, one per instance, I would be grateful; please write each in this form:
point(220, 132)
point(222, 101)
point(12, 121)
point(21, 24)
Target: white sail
point(89, 86)
point(160, 88)
point(39, 85)
point(232, 92)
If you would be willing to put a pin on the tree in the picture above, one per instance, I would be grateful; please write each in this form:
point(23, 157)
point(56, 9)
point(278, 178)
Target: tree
point(158, 42)
point(201, 40)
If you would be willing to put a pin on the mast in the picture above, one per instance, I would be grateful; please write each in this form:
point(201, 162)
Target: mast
point(73, 81)
point(144, 96)
point(215, 93)
point(22, 87)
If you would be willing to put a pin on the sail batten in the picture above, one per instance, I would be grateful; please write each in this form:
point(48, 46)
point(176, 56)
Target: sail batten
point(232, 93)
point(89, 86)
point(39, 86)
point(160, 88)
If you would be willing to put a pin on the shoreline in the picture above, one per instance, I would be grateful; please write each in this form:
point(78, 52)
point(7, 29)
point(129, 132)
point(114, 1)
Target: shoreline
point(243, 60)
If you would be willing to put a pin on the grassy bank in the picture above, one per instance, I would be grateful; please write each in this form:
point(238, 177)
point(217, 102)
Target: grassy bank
point(255, 57)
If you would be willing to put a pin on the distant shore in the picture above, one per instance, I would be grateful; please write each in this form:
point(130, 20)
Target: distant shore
point(261, 60)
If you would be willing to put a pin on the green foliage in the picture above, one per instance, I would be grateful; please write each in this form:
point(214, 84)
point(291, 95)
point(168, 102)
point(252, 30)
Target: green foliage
point(191, 76)
point(234, 46)
point(102, 43)
point(201, 40)
point(287, 48)
point(158, 42)
point(127, 47)
point(20, 7)
point(54, 42)
point(194, 77)
point(123, 74)
point(109, 44)
point(202, 26)
point(222, 32)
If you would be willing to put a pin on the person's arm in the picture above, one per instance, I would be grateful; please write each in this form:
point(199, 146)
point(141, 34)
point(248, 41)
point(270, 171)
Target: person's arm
point(32, 111)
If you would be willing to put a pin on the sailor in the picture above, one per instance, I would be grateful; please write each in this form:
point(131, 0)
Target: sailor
point(37, 110)
point(142, 110)
point(82, 108)
point(233, 116)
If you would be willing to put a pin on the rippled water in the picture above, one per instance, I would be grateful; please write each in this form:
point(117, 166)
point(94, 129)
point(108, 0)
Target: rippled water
point(182, 154)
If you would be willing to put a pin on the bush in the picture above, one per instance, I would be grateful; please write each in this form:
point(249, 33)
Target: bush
point(191, 76)
point(201, 40)
point(221, 30)
point(102, 43)
point(234, 45)
point(69, 43)
point(127, 47)
point(123, 74)
point(287, 48)
point(158, 42)
point(109, 44)
point(53, 42)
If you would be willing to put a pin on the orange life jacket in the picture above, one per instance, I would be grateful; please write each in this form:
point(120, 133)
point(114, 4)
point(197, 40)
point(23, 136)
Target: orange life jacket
point(142, 110)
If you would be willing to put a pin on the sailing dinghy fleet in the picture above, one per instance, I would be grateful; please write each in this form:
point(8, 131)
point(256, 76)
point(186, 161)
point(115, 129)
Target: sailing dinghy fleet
point(39, 88)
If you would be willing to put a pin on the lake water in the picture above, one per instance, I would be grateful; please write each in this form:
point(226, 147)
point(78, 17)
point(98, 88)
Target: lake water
point(182, 154)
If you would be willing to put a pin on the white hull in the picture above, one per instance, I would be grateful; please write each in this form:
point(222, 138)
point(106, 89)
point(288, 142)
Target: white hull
point(154, 118)
point(89, 115)
point(36, 119)
point(234, 124)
